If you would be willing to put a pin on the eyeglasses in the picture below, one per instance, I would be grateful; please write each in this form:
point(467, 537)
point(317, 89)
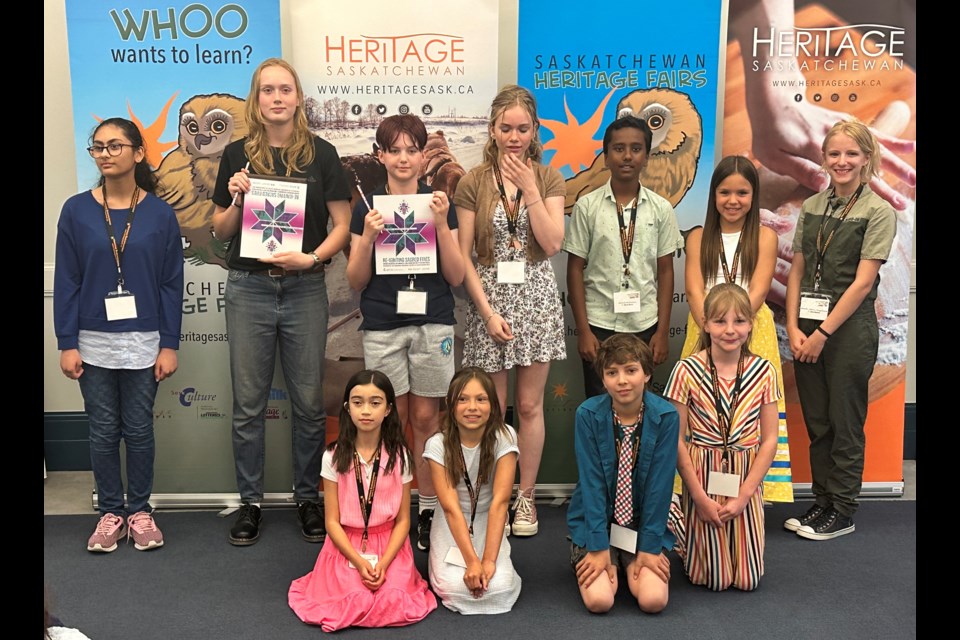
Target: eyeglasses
point(114, 149)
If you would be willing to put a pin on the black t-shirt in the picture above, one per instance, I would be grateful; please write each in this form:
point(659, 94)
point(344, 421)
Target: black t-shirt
point(325, 182)
point(378, 302)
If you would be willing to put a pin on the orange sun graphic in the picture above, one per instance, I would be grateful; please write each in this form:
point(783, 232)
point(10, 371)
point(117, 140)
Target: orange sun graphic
point(151, 135)
point(559, 391)
point(573, 142)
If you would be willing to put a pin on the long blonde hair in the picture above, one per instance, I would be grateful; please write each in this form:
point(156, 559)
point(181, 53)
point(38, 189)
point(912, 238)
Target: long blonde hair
point(864, 138)
point(510, 96)
point(721, 299)
point(298, 153)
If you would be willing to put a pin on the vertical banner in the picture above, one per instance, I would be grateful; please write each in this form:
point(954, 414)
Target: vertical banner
point(792, 72)
point(583, 73)
point(375, 60)
point(181, 71)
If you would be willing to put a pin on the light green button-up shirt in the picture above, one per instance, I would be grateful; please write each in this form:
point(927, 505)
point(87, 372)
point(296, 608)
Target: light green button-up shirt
point(594, 235)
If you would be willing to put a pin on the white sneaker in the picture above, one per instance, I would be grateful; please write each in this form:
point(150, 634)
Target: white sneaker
point(525, 520)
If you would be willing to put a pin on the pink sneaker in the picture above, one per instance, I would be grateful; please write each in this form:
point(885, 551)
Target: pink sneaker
point(144, 531)
point(109, 530)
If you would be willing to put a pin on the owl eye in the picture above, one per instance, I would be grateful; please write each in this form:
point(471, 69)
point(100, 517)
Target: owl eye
point(218, 126)
point(192, 127)
point(655, 121)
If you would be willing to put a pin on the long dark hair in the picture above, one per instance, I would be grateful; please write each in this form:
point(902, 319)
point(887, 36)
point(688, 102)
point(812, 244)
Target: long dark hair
point(451, 433)
point(144, 176)
point(750, 235)
point(391, 432)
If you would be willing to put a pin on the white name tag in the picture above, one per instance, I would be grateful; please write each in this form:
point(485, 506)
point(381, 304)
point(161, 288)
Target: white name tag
point(814, 306)
point(412, 302)
point(623, 538)
point(510, 272)
point(626, 302)
point(372, 558)
point(454, 557)
point(120, 306)
point(723, 484)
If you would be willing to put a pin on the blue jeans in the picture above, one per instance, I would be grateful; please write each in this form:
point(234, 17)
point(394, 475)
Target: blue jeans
point(262, 314)
point(119, 404)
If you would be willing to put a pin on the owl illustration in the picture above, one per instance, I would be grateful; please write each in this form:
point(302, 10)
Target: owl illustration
point(674, 153)
point(208, 123)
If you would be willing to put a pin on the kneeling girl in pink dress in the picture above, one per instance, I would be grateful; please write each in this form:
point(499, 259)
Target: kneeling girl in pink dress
point(365, 575)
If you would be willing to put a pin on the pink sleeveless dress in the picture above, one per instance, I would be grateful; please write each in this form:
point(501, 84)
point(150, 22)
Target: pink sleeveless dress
point(333, 596)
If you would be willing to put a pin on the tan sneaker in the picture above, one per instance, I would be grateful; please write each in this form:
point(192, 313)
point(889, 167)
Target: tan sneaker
point(144, 532)
point(525, 518)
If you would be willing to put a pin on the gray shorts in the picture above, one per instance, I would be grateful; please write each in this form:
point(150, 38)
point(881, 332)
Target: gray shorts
point(417, 359)
point(618, 557)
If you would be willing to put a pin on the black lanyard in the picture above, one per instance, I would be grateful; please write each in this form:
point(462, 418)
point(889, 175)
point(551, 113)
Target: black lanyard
point(366, 502)
point(118, 252)
point(724, 419)
point(618, 439)
point(512, 215)
point(822, 244)
point(730, 275)
point(627, 233)
point(474, 494)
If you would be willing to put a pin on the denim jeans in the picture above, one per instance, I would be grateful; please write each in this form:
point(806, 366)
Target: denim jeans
point(265, 313)
point(119, 404)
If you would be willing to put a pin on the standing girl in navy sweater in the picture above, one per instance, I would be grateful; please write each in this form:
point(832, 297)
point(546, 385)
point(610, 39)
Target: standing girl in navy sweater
point(117, 295)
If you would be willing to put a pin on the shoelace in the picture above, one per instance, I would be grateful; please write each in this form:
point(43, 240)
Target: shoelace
point(142, 522)
point(247, 513)
point(108, 524)
point(524, 508)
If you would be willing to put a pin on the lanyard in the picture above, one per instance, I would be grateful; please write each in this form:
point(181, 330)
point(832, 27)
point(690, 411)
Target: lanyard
point(512, 214)
point(627, 233)
point(474, 493)
point(118, 252)
point(366, 502)
point(730, 275)
point(823, 245)
point(724, 419)
point(618, 440)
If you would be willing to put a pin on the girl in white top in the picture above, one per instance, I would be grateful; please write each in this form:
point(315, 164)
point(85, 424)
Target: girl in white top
point(473, 461)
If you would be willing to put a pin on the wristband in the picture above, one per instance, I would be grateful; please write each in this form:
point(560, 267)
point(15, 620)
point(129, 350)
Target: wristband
point(488, 318)
point(824, 332)
point(316, 258)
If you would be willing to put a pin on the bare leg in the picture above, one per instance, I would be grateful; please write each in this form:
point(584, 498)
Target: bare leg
point(425, 418)
point(531, 381)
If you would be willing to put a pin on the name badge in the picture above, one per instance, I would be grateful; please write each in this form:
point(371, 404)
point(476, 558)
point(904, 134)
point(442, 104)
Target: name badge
point(454, 557)
point(623, 538)
point(626, 302)
point(723, 484)
point(814, 306)
point(412, 302)
point(372, 558)
point(510, 272)
point(120, 305)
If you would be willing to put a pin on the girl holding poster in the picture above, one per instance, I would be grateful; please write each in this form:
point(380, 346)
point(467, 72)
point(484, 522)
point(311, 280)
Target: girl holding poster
point(279, 300)
point(510, 210)
point(117, 295)
point(408, 314)
point(843, 236)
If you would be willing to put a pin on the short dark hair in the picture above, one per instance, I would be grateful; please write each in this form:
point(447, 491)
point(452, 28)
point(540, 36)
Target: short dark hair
point(625, 122)
point(392, 127)
point(621, 348)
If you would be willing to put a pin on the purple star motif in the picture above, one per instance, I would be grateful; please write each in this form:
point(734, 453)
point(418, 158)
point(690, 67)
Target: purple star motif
point(403, 232)
point(274, 221)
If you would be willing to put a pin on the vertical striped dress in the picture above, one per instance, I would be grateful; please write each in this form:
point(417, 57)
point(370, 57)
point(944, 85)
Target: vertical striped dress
point(733, 553)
